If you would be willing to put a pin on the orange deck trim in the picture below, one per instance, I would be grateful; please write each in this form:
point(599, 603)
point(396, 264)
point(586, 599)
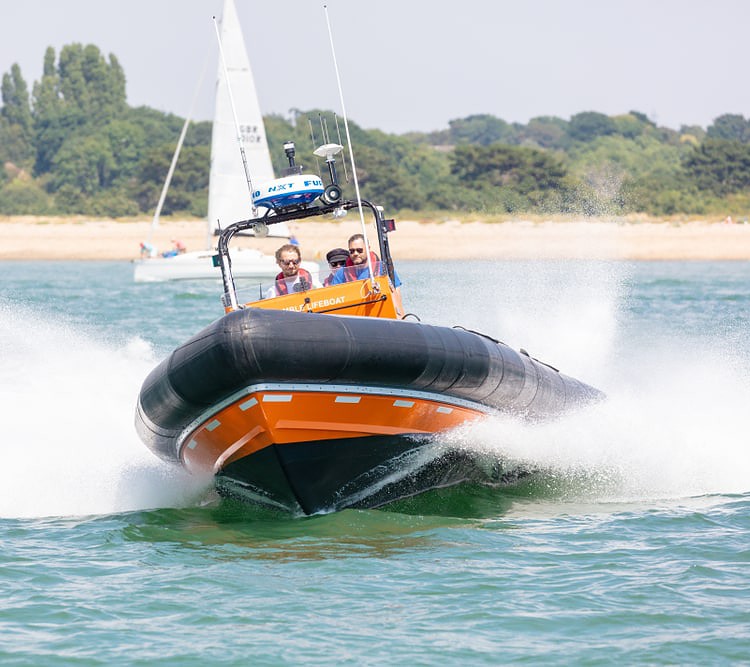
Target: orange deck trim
point(352, 298)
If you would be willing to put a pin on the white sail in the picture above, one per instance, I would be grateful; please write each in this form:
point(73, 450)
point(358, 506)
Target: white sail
point(228, 191)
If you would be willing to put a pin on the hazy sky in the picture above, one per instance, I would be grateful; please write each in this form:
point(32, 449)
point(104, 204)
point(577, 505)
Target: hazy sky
point(416, 64)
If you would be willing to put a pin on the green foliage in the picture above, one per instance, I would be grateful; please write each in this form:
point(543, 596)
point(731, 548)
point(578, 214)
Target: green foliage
point(188, 191)
point(546, 132)
point(82, 93)
point(16, 106)
point(589, 125)
point(731, 127)
point(14, 145)
point(24, 197)
point(89, 87)
point(482, 129)
point(720, 166)
point(75, 146)
point(16, 124)
point(630, 125)
point(510, 178)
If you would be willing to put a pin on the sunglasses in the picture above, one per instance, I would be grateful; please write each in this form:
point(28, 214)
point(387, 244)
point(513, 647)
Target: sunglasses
point(336, 264)
point(354, 250)
point(287, 262)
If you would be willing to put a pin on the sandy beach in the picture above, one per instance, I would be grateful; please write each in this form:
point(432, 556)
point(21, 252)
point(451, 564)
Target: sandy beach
point(23, 238)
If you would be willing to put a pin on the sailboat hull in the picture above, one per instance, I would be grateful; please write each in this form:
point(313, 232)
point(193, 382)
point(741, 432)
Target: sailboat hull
point(246, 263)
point(339, 411)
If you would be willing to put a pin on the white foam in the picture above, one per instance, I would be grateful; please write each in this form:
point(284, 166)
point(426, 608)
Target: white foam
point(69, 446)
point(674, 426)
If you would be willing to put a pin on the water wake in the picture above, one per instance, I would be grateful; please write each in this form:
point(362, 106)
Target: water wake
point(69, 446)
point(673, 426)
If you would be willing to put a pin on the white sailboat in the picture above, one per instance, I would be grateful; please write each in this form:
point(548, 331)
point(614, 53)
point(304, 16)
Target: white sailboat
point(229, 197)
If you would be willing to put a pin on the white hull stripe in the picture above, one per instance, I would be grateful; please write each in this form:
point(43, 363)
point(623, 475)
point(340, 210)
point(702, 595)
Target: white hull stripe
point(277, 398)
point(248, 404)
point(348, 399)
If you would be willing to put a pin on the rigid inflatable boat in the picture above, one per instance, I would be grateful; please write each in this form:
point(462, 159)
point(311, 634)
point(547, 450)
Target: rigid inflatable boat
point(326, 398)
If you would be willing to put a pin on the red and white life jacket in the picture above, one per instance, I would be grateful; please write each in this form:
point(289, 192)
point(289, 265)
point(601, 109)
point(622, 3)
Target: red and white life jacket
point(305, 279)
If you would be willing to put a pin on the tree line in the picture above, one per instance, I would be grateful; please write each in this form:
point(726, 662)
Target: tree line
point(72, 145)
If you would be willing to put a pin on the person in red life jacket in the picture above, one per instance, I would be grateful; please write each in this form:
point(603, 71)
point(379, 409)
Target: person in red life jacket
point(292, 278)
point(357, 268)
point(336, 258)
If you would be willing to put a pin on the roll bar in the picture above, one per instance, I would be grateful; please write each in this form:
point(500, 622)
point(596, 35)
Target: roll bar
point(224, 260)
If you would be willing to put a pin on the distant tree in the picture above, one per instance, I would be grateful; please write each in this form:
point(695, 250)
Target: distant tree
point(50, 126)
point(510, 177)
point(525, 168)
point(589, 125)
point(84, 165)
point(188, 191)
point(546, 132)
point(482, 129)
point(16, 105)
point(80, 95)
point(385, 183)
point(719, 166)
point(630, 125)
point(732, 127)
point(90, 86)
point(641, 117)
point(127, 143)
point(692, 133)
point(14, 146)
point(16, 128)
point(24, 197)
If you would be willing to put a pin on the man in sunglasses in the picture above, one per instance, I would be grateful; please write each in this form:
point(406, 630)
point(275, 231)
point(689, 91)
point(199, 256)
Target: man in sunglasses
point(357, 269)
point(292, 278)
point(336, 259)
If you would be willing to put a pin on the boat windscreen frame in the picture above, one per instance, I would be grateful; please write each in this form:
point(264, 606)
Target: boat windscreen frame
point(224, 261)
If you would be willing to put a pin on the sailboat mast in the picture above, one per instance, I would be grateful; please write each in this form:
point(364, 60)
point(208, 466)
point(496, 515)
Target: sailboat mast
point(170, 173)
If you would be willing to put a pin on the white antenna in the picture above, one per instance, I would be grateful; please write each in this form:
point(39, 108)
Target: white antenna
point(351, 152)
point(236, 122)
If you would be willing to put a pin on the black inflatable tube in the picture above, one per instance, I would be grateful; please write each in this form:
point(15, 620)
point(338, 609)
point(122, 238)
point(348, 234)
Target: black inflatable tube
point(254, 346)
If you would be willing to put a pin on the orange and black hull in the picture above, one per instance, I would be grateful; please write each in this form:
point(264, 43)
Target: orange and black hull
point(312, 413)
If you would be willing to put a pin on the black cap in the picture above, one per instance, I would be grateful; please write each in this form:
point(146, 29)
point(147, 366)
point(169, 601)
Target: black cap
point(337, 254)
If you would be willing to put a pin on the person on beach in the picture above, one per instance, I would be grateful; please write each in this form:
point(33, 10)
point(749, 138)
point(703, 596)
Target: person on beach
point(292, 278)
point(336, 259)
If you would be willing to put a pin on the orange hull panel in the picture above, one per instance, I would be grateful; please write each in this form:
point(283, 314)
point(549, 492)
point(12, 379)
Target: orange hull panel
point(265, 417)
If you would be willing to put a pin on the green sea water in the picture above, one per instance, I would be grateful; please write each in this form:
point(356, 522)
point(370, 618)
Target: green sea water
point(630, 545)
